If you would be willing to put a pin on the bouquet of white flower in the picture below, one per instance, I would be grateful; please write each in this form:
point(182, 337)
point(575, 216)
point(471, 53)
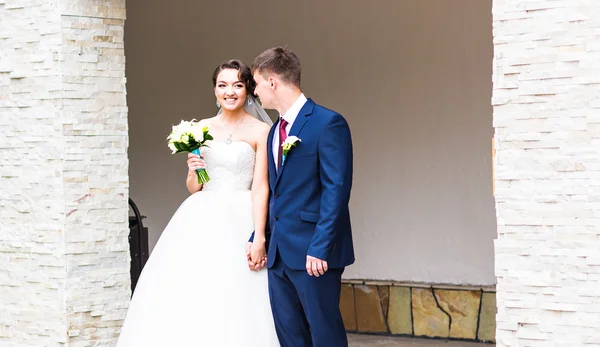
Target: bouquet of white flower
point(189, 137)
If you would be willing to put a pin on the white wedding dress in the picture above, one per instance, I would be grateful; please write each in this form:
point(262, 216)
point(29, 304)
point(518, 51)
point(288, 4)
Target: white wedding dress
point(196, 288)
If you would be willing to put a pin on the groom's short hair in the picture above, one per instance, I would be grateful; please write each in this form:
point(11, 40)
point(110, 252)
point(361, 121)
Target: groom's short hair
point(280, 61)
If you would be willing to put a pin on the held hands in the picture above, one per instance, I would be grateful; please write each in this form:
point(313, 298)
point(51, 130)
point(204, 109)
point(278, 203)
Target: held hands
point(315, 267)
point(257, 259)
point(195, 162)
point(256, 255)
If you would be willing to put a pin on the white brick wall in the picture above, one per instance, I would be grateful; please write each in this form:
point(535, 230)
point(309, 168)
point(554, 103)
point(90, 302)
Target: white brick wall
point(547, 118)
point(64, 279)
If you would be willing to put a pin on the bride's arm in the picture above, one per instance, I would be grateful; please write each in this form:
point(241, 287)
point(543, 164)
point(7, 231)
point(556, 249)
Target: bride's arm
point(260, 193)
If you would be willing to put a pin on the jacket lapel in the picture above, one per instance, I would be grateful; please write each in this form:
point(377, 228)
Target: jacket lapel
point(270, 159)
point(303, 115)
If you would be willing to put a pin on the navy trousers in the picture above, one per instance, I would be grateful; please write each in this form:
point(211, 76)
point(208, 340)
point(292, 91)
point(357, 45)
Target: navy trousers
point(306, 308)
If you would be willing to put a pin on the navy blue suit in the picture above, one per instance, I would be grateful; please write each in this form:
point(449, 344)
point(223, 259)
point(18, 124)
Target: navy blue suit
point(309, 215)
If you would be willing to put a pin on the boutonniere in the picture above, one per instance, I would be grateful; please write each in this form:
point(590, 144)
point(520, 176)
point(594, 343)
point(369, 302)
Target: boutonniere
point(288, 144)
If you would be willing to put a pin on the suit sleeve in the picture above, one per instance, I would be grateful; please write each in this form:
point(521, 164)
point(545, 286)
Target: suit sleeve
point(335, 161)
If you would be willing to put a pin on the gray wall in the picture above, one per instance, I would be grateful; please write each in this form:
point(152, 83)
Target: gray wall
point(412, 77)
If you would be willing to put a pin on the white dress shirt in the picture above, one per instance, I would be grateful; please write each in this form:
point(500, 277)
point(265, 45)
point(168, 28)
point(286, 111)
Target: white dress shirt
point(290, 117)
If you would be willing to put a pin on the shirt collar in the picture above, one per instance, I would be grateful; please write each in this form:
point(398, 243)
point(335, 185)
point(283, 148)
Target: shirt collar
point(292, 113)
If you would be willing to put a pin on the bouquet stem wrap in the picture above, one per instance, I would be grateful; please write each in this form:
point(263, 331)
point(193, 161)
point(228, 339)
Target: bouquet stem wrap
point(201, 173)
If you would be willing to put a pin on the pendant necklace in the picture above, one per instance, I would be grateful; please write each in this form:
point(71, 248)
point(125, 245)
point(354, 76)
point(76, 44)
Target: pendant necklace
point(229, 140)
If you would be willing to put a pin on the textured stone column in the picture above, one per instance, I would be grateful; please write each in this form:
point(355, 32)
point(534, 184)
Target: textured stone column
point(546, 102)
point(64, 274)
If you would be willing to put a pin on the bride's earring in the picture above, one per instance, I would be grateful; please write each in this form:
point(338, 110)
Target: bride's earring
point(249, 101)
point(218, 105)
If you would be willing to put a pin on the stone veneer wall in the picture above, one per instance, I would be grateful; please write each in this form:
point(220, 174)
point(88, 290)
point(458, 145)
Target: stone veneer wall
point(546, 101)
point(401, 309)
point(64, 173)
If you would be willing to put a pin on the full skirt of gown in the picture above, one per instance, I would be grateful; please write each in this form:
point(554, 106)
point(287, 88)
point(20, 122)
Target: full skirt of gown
point(196, 288)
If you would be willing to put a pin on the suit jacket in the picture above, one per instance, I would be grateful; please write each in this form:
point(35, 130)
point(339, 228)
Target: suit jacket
point(309, 195)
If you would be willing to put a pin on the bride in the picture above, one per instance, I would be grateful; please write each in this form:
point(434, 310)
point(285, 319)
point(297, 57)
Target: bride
point(196, 288)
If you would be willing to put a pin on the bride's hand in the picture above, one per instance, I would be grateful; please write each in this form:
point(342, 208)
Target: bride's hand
point(195, 162)
point(258, 253)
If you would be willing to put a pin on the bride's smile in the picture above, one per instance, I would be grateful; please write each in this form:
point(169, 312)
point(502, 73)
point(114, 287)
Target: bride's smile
point(230, 91)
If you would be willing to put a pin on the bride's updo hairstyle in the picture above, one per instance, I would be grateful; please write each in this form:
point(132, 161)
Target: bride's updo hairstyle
point(245, 74)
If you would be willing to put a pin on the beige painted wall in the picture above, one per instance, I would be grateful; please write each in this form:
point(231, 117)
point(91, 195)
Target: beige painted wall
point(413, 78)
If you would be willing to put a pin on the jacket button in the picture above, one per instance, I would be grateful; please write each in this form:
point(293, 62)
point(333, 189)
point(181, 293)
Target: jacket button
point(276, 218)
point(276, 196)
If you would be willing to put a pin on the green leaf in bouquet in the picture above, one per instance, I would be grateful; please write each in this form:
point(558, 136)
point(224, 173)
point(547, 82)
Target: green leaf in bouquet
point(180, 147)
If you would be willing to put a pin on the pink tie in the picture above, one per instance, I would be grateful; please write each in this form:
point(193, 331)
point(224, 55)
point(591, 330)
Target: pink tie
point(282, 136)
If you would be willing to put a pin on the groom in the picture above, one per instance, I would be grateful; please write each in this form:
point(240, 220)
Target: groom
point(311, 239)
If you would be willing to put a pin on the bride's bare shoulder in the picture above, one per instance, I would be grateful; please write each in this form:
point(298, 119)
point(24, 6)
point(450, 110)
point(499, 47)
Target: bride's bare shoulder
point(206, 121)
point(257, 130)
point(258, 125)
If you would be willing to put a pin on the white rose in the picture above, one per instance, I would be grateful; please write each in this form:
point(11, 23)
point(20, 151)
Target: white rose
point(198, 133)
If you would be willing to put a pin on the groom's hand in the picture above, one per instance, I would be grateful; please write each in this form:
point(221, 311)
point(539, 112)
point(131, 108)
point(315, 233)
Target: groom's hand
point(252, 265)
point(315, 266)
